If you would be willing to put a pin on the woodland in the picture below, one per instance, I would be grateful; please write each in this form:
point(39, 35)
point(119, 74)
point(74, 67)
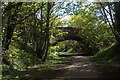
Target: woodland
point(30, 28)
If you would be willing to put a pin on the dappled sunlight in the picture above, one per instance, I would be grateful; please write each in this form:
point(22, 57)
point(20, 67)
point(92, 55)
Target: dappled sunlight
point(80, 65)
point(57, 39)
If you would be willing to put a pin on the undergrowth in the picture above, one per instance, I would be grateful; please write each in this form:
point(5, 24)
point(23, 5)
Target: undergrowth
point(110, 55)
point(52, 61)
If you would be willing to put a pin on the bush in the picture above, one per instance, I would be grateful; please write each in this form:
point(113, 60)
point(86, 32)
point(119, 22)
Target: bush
point(18, 58)
point(110, 54)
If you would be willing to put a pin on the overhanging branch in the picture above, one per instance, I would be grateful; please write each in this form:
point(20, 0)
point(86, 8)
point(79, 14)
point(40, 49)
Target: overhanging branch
point(18, 22)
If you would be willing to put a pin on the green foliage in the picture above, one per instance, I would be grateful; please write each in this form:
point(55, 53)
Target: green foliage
point(111, 9)
point(53, 55)
point(110, 54)
point(70, 50)
point(37, 70)
point(19, 58)
point(95, 32)
point(28, 27)
point(68, 46)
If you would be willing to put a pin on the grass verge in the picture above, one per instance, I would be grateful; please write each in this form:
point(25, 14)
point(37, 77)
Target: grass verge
point(110, 55)
point(40, 70)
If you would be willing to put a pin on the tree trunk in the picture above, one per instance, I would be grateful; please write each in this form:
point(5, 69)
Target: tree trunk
point(9, 33)
point(47, 31)
point(117, 20)
point(40, 42)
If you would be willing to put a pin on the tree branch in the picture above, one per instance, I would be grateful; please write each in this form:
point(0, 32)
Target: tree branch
point(110, 13)
point(26, 17)
point(107, 19)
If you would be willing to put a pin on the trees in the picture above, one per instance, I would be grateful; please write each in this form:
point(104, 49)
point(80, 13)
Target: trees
point(93, 30)
point(26, 27)
point(47, 36)
point(11, 8)
point(31, 26)
point(111, 11)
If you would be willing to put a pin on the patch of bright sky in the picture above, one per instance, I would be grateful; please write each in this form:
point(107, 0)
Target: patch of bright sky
point(91, 0)
point(67, 17)
point(65, 3)
point(102, 0)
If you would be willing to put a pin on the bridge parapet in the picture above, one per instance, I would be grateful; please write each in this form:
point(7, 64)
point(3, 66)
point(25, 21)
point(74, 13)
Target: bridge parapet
point(69, 30)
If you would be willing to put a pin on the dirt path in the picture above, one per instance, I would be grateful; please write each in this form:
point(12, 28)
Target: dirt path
point(81, 67)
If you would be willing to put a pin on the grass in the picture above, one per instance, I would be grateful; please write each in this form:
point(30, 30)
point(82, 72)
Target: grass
point(39, 70)
point(110, 55)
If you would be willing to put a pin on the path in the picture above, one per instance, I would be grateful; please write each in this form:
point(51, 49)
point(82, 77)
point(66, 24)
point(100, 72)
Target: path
point(81, 67)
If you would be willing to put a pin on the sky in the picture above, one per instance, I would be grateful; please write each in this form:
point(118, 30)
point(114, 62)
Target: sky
point(67, 17)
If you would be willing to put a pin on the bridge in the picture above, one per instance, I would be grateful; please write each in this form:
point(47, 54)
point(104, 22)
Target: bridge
point(71, 34)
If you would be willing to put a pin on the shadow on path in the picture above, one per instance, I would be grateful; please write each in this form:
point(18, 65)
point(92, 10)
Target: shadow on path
point(79, 67)
point(82, 67)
